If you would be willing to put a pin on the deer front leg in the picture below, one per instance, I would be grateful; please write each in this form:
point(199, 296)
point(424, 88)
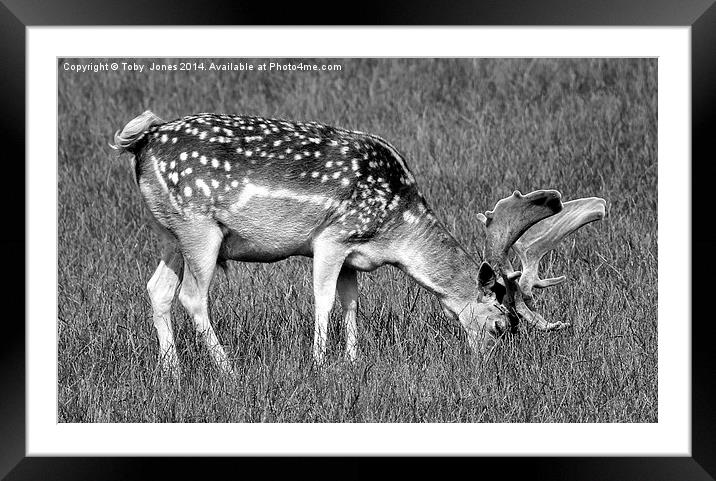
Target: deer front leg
point(348, 295)
point(328, 259)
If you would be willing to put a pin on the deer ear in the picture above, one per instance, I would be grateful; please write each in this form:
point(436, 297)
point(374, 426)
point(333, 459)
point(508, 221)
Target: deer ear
point(486, 278)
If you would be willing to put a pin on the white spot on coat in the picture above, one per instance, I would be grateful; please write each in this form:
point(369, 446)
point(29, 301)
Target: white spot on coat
point(409, 217)
point(204, 188)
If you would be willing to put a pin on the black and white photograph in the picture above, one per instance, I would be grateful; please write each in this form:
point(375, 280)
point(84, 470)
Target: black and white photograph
point(357, 240)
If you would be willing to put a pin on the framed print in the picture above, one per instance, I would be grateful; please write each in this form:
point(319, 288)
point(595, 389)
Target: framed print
point(463, 240)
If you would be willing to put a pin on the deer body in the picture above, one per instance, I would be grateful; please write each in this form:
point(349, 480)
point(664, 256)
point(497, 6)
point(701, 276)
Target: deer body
point(229, 187)
point(273, 187)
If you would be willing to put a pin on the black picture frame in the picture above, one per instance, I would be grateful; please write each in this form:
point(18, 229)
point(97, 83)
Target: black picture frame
point(700, 15)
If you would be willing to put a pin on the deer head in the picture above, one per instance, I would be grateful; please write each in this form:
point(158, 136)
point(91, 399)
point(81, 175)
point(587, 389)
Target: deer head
point(532, 225)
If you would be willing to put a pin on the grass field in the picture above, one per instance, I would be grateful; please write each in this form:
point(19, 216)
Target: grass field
point(472, 131)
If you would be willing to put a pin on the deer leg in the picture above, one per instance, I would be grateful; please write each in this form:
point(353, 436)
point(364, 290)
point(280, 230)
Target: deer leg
point(327, 262)
point(347, 287)
point(200, 254)
point(162, 287)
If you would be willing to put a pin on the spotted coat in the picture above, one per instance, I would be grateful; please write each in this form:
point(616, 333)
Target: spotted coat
point(220, 165)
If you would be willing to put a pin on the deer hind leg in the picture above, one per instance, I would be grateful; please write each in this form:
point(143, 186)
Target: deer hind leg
point(162, 287)
point(201, 248)
point(347, 287)
point(328, 259)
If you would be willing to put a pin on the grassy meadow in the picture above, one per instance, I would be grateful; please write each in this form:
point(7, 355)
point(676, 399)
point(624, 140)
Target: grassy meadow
point(472, 130)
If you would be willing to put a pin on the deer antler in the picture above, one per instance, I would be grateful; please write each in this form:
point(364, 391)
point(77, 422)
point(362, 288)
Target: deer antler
point(506, 223)
point(513, 223)
point(511, 218)
point(546, 235)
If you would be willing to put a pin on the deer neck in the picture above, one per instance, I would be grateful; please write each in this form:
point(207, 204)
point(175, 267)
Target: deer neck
point(437, 261)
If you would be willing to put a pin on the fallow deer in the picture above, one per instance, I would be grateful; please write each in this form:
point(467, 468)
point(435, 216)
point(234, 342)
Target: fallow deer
point(247, 188)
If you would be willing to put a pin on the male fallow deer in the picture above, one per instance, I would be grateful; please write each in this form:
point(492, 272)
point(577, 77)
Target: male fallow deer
point(254, 189)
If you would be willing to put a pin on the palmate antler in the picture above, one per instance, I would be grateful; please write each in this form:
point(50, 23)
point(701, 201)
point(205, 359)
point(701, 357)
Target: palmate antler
point(513, 224)
point(546, 235)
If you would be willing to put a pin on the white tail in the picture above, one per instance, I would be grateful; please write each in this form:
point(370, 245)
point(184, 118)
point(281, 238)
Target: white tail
point(135, 130)
point(130, 137)
point(229, 187)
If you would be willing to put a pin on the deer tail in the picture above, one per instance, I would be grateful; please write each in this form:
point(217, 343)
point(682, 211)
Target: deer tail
point(128, 138)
